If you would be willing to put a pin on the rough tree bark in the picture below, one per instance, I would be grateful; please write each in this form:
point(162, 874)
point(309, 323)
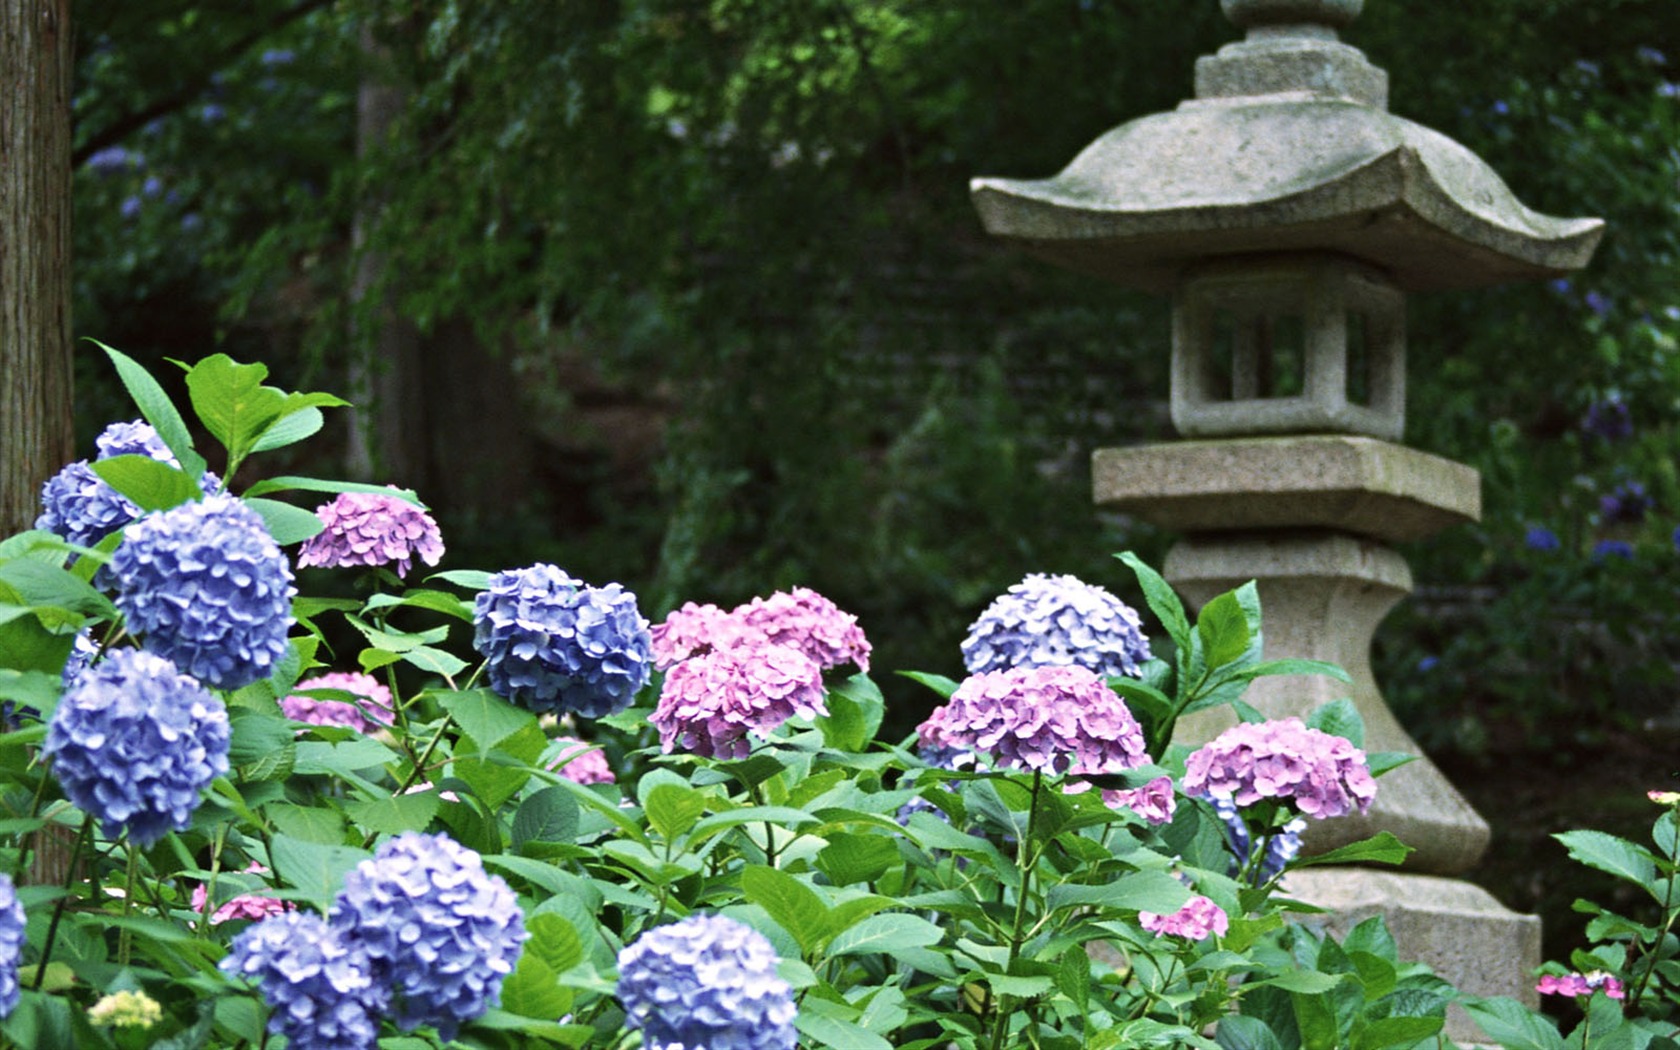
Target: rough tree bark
point(36, 435)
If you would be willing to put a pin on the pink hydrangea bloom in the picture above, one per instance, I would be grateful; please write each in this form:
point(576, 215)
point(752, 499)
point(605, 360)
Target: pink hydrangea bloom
point(251, 906)
point(1054, 719)
point(581, 763)
point(1575, 984)
point(711, 700)
point(1199, 919)
point(369, 528)
point(1323, 775)
point(372, 707)
point(1153, 801)
point(811, 623)
point(697, 628)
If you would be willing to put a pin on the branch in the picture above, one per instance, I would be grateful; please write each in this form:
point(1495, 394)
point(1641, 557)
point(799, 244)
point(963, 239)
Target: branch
point(131, 122)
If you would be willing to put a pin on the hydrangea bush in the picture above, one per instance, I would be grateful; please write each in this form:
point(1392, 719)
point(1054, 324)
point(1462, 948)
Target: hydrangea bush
point(519, 815)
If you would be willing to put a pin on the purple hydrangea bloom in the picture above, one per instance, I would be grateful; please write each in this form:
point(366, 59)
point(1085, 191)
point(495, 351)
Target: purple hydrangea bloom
point(1598, 303)
point(134, 742)
point(706, 981)
point(810, 623)
point(1540, 538)
point(206, 586)
point(710, 702)
point(1154, 801)
point(367, 528)
point(1053, 719)
point(696, 628)
point(1627, 502)
point(134, 438)
point(1609, 419)
point(440, 932)
point(581, 763)
point(319, 984)
point(1612, 549)
point(1282, 847)
point(371, 708)
point(1577, 984)
point(1198, 920)
point(552, 643)
point(1051, 621)
point(1321, 775)
point(11, 945)
point(113, 160)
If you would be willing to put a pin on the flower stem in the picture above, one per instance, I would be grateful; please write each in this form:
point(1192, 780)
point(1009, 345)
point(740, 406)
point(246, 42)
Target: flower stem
point(125, 936)
point(1023, 853)
point(58, 908)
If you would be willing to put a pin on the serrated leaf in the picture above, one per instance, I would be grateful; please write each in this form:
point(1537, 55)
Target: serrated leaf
point(263, 746)
point(159, 411)
point(672, 809)
point(1339, 718)
point(1073, 977)
point(388, 816)
point(886, 933)
point(1513, 1025)
point(484, 716)
point(286, 523)
point(823, 1030)
point(1381, 848)
point(1269, 668)
point(849, 859)
point(150, 484)
point(435, 661)
point(317, 871)
point(1611, 854)
point(792, 904)
point(549, 815)
point(1161, 599)
point(1223, 629)
point(232, 401)
point(554, 940)
point(1153, 891)
point(533, 990)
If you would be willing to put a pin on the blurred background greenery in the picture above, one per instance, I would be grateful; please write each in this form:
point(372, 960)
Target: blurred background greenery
point(689, 295)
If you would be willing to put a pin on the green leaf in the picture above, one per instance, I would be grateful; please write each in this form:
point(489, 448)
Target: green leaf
point(44, 587)
point(396, 813)
point(849, 859)
point(792, 904)
point(150, 484)
point(1268, 668)
point(533, 990)
point(1381, 848)
point(471, 579)
point(286, 523)
point(1246, 1033)
point(1381, 762)
point(1389, 1032)
point(37, 689)
point(1154, 891)
point(316, 870)
point(1513, 1025)
point(886, 933)
point(289, 430)
point(823, 1030)
point(258, 739)
point(1339, 718)
point(1611, 854)
point(855, 710)
point(554, 940)
point(484, 716)
point(549, 815)
point(1161, 599)
point(1316, 1016)
point(232, 402)
point(672, 809)
point(937, 682)
point(289, 483)
point(159, 411)
point(1223, 629)
point(435, 661)
point(1073, 977)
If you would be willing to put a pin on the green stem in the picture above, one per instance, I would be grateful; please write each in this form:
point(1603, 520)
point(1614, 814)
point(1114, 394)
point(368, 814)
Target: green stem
point(125, 935)
point(34, 836)
point(1023, 852)
point(1651, 962)
point(58, 908)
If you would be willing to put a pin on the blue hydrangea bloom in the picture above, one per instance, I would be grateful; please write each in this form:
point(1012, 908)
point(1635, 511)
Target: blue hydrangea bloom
point(79, 507)
point(206, 586)
point(134, 742)
point(552, 643)
point(440, 931)
point(318, 984)
point(1540, 538)
point(11, 945)
point(1056, 621)
point(1281, 848)
point(134, 438)
point(1612, 549)
point(707, 981)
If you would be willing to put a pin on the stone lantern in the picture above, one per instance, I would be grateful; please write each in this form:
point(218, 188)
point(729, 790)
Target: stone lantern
point(1287, 213)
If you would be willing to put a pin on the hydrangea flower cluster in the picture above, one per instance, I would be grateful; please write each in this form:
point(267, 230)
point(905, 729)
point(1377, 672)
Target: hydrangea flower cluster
point(12, 939)
point(370, 528)
point(438, 930)
point(205, 586)
point(1609, 419)
point(706, 981)
point(1540, 538)
point(126, 1009)
point(1198, 920)
point(1576, 984)
point(78, 506)
point(134, 742)
point(800, 618)
point(1053, 621)
point(1154, 801)
point(317, 982)
point(1282, 847)
point(1628, 502)
point(1052, 719)
point(552, 643)
point(581, 763)
point(251, 906)
point(371, 708)
point(810, 623)
point(1321, 775)
point(711, 701)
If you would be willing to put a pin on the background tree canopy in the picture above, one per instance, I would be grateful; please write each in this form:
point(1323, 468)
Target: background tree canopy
point(690, 295)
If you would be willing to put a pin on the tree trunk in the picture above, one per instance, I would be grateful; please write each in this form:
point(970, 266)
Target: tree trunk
point(36, 434)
